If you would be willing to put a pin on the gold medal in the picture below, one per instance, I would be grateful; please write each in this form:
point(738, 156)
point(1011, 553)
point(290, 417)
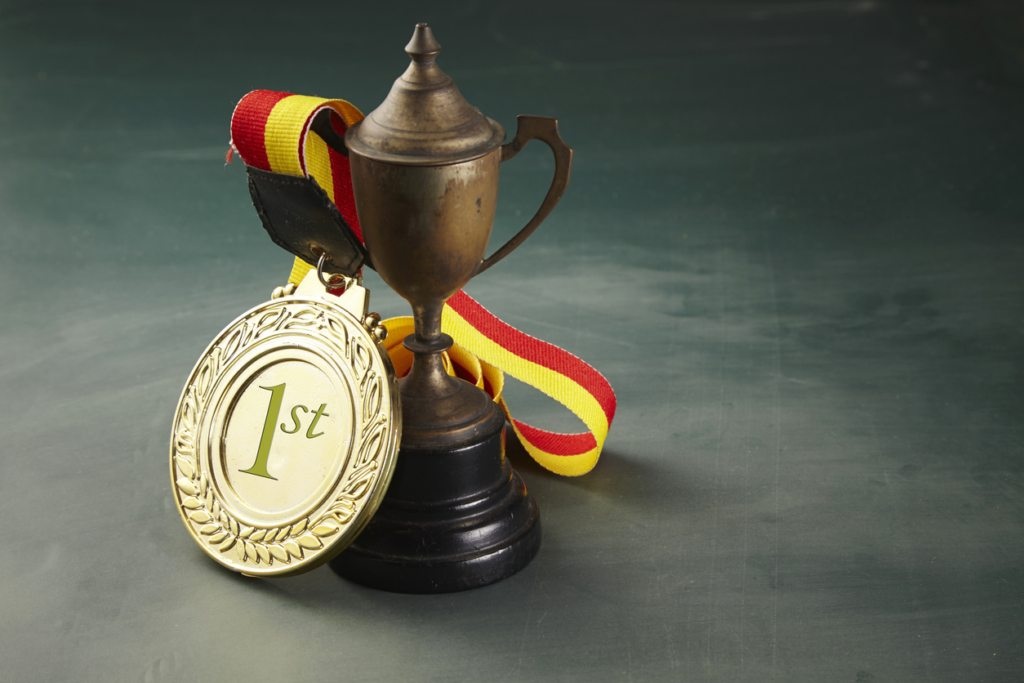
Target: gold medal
point(287, 431)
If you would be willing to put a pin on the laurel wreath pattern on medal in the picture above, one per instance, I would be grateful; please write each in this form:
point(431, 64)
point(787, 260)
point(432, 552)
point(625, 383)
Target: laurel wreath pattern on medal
point(291, 542)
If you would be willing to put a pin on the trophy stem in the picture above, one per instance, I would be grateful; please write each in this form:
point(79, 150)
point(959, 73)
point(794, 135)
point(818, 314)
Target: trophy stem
point(427, 321)
point(428, 382)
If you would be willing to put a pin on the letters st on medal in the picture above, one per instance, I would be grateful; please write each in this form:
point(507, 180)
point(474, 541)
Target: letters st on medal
point(259, 467)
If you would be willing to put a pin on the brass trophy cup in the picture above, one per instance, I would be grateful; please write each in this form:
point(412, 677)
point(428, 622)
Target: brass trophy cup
point(425, 176)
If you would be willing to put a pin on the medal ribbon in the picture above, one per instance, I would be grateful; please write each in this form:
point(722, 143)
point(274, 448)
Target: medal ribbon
point(273, 131)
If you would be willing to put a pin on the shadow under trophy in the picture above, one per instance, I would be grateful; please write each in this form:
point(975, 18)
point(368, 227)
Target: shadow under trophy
point(425, 168)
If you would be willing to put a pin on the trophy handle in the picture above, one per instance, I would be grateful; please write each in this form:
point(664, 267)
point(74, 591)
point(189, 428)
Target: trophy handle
point(544, 129)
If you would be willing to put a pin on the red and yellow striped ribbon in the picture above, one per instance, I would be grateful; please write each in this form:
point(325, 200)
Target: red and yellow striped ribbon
point(273, 131)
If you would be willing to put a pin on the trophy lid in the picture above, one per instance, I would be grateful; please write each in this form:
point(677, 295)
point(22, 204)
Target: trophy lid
point(424, 120)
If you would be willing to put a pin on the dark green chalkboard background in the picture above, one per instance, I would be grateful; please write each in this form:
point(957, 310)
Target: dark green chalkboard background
point(792, 242)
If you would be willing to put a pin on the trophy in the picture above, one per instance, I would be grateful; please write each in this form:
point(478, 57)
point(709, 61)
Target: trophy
point(425, 168)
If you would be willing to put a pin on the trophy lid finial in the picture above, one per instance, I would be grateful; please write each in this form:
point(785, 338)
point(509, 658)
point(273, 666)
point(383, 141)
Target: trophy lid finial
point(424, 120)
point(423, 46)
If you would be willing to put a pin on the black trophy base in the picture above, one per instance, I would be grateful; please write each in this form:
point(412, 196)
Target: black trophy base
point(451, 521)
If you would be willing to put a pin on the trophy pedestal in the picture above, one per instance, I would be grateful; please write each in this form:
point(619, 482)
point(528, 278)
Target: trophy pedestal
point(456, 515)
point(450, 521)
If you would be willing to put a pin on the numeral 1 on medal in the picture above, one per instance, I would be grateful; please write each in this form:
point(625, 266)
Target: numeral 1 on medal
point(259, 467)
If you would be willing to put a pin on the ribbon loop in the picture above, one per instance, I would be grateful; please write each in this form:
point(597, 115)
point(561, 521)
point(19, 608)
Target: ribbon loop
point(299, 136)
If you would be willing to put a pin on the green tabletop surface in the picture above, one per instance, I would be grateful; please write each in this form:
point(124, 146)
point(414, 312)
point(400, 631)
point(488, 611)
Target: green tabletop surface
point(792, 242)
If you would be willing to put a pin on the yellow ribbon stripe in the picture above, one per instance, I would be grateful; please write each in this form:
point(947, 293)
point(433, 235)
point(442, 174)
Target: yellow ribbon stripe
point(287, 133)
point(556, 385)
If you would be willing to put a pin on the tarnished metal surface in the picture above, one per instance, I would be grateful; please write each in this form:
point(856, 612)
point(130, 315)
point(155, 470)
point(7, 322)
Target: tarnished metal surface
point(425, 120)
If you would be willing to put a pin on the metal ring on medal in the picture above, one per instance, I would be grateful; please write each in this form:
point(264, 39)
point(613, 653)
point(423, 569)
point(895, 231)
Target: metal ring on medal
point(285, 437)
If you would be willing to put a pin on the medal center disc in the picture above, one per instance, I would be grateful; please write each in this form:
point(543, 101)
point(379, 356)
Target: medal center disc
point(285, 441)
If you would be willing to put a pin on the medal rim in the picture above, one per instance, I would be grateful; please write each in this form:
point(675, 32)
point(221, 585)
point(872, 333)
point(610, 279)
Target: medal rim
point(378, 487)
